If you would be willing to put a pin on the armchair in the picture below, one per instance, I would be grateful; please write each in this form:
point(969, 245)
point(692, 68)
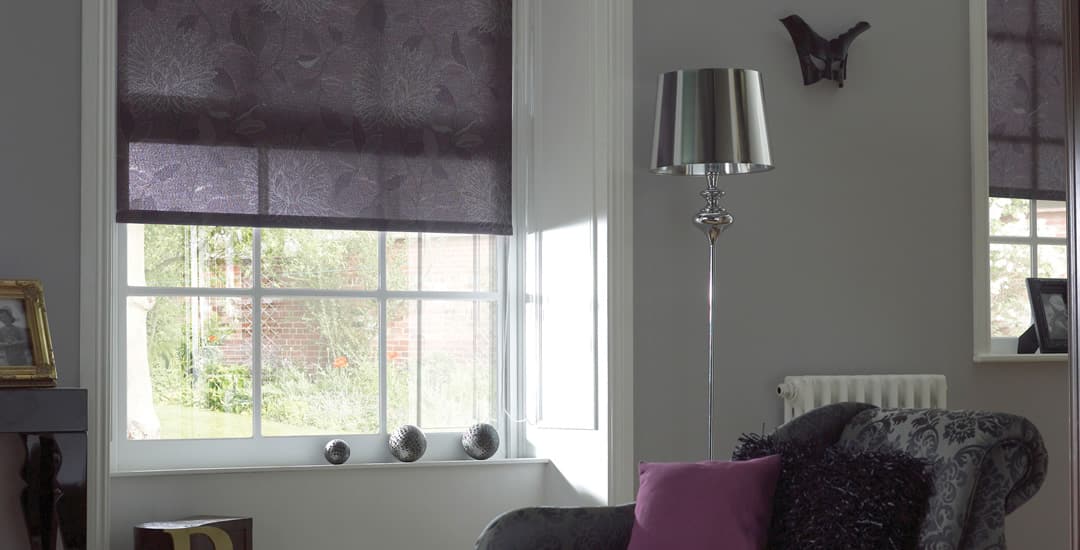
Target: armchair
point(985, 466)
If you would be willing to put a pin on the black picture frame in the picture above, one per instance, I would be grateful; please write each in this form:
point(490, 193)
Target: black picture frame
point(1050, 307)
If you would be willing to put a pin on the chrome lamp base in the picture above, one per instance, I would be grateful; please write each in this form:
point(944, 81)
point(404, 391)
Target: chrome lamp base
point(713, 220)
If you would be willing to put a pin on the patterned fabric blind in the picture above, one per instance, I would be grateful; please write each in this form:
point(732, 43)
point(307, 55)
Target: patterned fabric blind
point(1026, 99)
point(357, 114)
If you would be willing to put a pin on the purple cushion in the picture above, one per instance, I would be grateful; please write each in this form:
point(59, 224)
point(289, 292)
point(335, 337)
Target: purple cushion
point(704, 505)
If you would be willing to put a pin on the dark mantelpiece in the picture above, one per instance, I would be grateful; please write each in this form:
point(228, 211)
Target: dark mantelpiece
point(52, 423)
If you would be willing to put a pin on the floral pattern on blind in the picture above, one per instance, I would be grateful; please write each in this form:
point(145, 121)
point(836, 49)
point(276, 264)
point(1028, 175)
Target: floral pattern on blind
point(362, 114)
point(1026, 84)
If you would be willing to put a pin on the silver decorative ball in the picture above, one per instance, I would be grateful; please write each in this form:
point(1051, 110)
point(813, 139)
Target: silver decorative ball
point(337, 452)
point(480, 441)
point(408, 443)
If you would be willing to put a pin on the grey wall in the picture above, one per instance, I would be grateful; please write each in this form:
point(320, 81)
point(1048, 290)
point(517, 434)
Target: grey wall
point(39, 173)
point(394, 506)
point(853, 256)
point(39, 161)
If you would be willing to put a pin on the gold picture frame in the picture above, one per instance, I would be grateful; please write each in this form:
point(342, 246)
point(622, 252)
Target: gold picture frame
point(26, 350)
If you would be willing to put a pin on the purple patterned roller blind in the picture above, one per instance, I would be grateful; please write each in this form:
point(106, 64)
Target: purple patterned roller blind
point(1027, 99)
point(358, 114)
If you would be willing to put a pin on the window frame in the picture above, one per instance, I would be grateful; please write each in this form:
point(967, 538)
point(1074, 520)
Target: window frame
point(610, 48)
point(986, 348)
point(267, 451)
point(365, 449)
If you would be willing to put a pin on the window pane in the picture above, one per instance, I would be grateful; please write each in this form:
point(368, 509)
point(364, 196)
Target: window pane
point(457, 262)
point(1010, 217)
point(402, 261)
point(1010, 312)
point(309, 258)
point(401, 339)
point(441, 262)
point(1053, 261)
point(1050, 219)
point(457, 358)
point(188, 368)
point(189, 256)
point(320, 367)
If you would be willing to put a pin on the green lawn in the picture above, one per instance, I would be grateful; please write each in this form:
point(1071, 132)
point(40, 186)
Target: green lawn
point(179, 422)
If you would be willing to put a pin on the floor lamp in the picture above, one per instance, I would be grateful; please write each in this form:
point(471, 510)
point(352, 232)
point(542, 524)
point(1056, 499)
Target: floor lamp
point(711, 123)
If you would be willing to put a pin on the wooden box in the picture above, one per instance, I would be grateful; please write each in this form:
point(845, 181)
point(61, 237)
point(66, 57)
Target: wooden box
point(197, 533)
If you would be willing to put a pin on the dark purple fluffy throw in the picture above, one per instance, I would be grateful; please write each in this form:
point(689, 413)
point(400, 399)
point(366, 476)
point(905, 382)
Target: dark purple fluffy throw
point(840, 498)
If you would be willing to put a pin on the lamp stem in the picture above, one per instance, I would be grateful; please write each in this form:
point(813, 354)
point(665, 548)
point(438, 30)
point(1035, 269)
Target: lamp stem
point(713, 220)
point(709, 346)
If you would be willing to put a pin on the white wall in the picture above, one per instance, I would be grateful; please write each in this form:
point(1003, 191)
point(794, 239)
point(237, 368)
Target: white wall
point(566, 379)
point(407, 507)
point(853, 256)
point(39, 161)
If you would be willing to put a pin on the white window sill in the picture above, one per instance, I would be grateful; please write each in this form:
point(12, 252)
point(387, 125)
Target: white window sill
point(493, 462)
point(1020, 358)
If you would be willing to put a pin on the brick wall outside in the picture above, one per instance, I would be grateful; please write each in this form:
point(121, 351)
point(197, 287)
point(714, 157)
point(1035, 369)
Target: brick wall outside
point(448, 260)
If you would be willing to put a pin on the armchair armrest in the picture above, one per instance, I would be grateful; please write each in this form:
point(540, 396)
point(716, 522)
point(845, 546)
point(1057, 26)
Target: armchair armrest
point(600, 528)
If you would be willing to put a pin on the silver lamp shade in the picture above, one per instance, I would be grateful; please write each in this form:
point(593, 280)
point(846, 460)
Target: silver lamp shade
point(710, 121)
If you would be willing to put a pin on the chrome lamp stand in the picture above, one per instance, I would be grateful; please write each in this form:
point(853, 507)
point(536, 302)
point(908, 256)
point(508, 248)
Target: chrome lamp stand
point(713, 220)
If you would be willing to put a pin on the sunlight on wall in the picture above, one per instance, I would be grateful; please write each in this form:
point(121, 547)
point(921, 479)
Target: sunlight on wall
point(560, 323)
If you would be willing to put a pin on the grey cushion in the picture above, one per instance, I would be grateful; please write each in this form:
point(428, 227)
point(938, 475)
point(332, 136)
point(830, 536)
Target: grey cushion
point(820, 427)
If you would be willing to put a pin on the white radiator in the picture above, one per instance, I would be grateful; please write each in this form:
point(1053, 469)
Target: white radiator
point(802, 394)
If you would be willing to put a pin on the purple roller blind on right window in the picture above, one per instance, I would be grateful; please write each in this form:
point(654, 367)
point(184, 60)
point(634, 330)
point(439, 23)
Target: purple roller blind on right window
point(1026, 85)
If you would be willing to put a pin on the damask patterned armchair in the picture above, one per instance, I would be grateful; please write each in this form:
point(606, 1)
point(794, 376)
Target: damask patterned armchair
point(985, 466)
